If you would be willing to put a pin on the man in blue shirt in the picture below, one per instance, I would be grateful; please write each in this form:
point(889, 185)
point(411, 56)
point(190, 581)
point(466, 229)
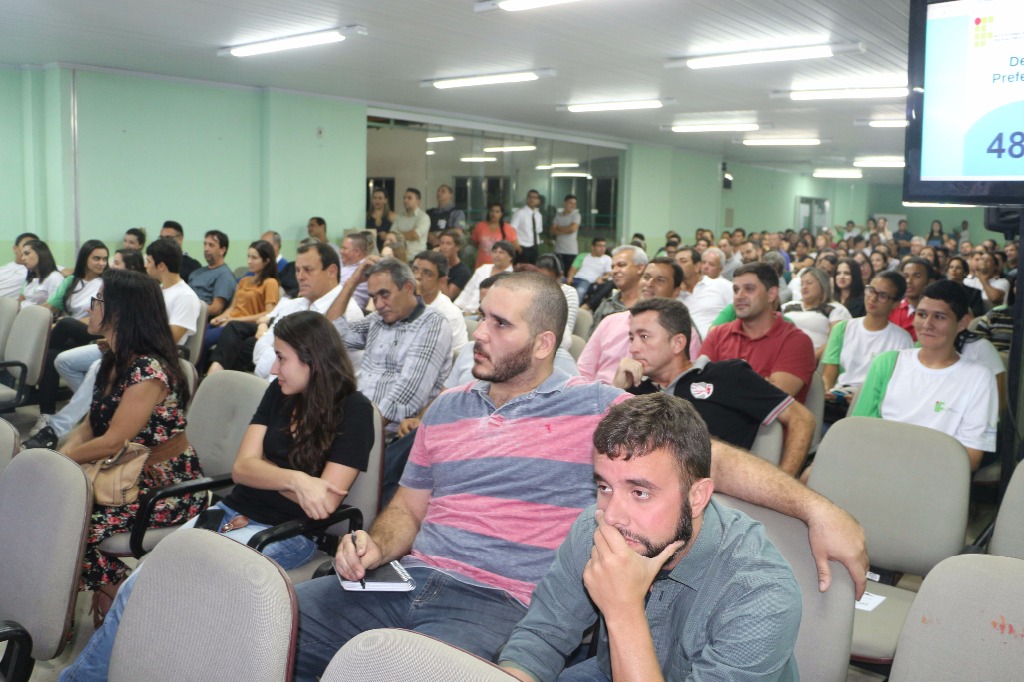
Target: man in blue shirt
point(214, 284)
point(682, 586)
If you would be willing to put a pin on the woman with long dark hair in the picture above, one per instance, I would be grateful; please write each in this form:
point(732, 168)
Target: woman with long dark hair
point(140, 396)
point(936, 237)
point(490, 231)
point(42, 278)
point(307, 442)
point(380, 216)
point(255, 296)
point(848, 287)
point(128, 259)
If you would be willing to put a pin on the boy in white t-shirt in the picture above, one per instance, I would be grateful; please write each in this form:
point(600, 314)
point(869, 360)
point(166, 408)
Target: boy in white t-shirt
point(933, 385)
point(587, 270)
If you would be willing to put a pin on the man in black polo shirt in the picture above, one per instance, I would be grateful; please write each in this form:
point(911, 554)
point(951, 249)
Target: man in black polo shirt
point(733, 399)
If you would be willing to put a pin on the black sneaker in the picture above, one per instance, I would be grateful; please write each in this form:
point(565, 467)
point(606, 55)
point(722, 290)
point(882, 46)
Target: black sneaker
point(44, 438)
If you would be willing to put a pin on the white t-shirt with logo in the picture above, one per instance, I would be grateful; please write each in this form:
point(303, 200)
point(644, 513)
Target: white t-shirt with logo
point(860, 347)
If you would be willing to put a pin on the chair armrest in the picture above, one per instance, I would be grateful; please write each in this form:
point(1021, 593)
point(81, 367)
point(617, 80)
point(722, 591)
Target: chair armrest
point(21, 388)
point(17, 662)
point(980, 544)
point(148, 502)
point(326, 568)
point(290, 529)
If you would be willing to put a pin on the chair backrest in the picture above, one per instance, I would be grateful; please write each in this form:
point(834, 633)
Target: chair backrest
point(584, 321)
point(578, 344)
point(366, 491)
point(395, 654)
point(8, 311)
point(194, 344)
point(768, 443)
point(907, 485)
point(45, 505)
point(815, 402)
point(826, 626)
point(28, 340)
point(220, 413)
point(206, 603)
point(966, 623)
point(191, 376)
point(1008, 535)
point(9, 443)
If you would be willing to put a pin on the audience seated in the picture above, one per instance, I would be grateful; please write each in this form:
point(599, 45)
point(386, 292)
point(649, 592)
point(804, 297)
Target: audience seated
point(704, 296)
point(214, 284)
point(408, 345)
point(774, 348)
point(588, 267)
point(816, 313)
point(316, 228)
point(42, 277)
point(430, 268)
point(13, 275)
point(255, 296)
point(280, 474)
point(550, 265)
point(985, 277)
point(848, 286)
point(172, 229)
point(449, 244)
point(733, 400)
point(933, 385)
point(482, 521)
point(503, 255)
point(918, 274)
point(997, 326)
point(355, 248)
point(134, 238)
point(608, 567)
point(628, 263)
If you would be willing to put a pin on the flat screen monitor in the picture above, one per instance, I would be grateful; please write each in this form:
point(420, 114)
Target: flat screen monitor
point(965, 136)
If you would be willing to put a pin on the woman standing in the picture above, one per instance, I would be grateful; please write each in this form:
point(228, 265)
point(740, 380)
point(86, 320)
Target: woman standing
point(936, 237)
point(848, 287)
point(43, 278)
point(380, 216)
point(488, 232)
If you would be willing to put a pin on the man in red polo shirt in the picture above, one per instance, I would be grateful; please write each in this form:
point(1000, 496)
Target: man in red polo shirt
point(919, 273)
point(773, 347)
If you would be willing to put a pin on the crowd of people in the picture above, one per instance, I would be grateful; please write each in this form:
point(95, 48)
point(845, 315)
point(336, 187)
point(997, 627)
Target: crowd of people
point(527, 491)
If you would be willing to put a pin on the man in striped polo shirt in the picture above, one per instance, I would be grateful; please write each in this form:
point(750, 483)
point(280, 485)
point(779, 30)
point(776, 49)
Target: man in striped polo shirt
point(499, 470)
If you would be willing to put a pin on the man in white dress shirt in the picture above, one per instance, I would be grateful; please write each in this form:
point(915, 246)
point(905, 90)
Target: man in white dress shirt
point(529, 225)
point(703, 296)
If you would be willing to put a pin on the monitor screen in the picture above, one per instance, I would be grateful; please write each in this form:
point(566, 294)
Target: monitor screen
point(965, 138)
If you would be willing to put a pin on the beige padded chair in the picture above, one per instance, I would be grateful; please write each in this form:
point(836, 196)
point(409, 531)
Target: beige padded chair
point(768, 443)
point(966, 623)
point(584, 321)
point(8, 311)
point(387, 654)
point(578, 344)
point(194, 345)
point(815, 402)
point(1008, 535)
point(191, 376)
point(24, 354)
point(9, 443)
point(220, 413)
point(43, 494)
point(826, 626)
point(207, 607)
point(908, 487)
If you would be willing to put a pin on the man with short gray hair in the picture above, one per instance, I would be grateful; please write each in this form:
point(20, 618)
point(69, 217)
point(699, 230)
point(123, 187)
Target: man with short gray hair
point(628, 263)
point(408, 345)
point(354, 249)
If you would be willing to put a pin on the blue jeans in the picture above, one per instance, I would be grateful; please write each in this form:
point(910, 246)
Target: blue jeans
point(581, 286)
point(473, 618)
point(587, 671)
point(68, 417)
point(94, 661)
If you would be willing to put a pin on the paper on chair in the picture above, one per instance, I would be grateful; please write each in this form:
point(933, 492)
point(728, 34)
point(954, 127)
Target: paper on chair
point(869, 602)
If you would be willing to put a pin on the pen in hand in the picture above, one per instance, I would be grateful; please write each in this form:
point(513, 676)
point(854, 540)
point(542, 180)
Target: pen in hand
point(362, 581)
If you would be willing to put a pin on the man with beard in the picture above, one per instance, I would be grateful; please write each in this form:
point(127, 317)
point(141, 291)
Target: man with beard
point(499, 470)
point(635, 559)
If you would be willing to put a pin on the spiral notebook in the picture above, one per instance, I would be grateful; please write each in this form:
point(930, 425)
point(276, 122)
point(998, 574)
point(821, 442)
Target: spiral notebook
point(391, 577)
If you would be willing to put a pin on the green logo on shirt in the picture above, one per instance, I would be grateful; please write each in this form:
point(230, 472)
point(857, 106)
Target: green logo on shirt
point(939, 406)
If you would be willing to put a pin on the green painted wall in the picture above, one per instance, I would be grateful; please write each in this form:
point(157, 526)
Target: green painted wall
point(889, 199)
point(12, 168)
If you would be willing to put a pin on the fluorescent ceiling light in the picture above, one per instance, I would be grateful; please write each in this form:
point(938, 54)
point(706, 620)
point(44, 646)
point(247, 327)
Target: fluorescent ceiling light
point(785, 54)
point(491, 79)
point(441, 138)
point(783, 142)
point(565, 164)
point(615, 106)
point(879, 162)
point(516, 5)
point(478, 159)
point(715, 128)
point(889, 123)
point(334, 35)
point(838, 173)
point(545, 166)
point(563, 174)
point(520, 148)
point(430, 152)
point(846, 93)
point(914, 204)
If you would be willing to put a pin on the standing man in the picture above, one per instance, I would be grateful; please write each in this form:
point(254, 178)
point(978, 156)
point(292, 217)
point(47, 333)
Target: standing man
point(458, 274)
point(12, 275)
point(354, 249)
point(445, 216)
point(430, 269)
point(172, 229)
point(529, 225)
point(902, 239)
point(214, 284)
point(683, 587)
point(317, 229)
point(412, 222)
point(565, 227)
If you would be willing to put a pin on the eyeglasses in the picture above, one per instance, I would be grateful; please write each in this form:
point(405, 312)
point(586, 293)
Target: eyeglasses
point(94, 300)
point(875, 293)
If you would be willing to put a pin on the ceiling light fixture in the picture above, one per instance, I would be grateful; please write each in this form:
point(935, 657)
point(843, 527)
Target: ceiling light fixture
point(334, 35)
point(565, 164)
point(490, 79)
point(783, 142)
point(545, 166)
point(520, 148)
point(430, 152)
point(838, 173)
point(478, 159)
point(879, 162)
point(915, 204)
point(616, 106)
point(785, 54)
point(588, 176)
point(715, 128)
point(441, 138)
point(515, 5)
point(889, 123)
point(841, 93)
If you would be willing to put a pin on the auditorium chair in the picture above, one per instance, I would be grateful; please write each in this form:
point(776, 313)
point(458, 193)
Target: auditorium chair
point(584, 321)
point(8, 311)
point(9, 443)
point(768, 443)
point(194, 345)
point(24, 355)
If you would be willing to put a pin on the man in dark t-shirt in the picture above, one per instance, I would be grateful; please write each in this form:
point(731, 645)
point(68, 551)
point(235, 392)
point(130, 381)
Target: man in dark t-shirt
point(731, 397)
point(458, 273)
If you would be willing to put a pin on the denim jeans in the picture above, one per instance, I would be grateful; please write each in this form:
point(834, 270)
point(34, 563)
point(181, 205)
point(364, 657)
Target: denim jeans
point(587, 671)
point(94, 661)
point(67, 417)
point(75, 363)
point(581, 286)
point(473, 618)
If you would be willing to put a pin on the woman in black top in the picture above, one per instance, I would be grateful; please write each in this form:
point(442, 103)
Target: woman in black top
point(848, 287)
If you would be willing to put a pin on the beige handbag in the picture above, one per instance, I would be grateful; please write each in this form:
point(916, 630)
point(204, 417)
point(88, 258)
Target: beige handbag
point(115, 480)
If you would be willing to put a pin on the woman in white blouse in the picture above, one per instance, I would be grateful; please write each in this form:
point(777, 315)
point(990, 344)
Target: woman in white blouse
point(816, 312)
point(43, 278)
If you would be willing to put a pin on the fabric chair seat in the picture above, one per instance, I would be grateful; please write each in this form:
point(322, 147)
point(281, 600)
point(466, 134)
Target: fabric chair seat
point(875, 633)
point(117, 544)
point(7, 394)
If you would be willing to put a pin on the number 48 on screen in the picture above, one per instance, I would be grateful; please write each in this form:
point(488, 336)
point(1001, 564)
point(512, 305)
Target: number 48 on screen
point(1015, 149)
